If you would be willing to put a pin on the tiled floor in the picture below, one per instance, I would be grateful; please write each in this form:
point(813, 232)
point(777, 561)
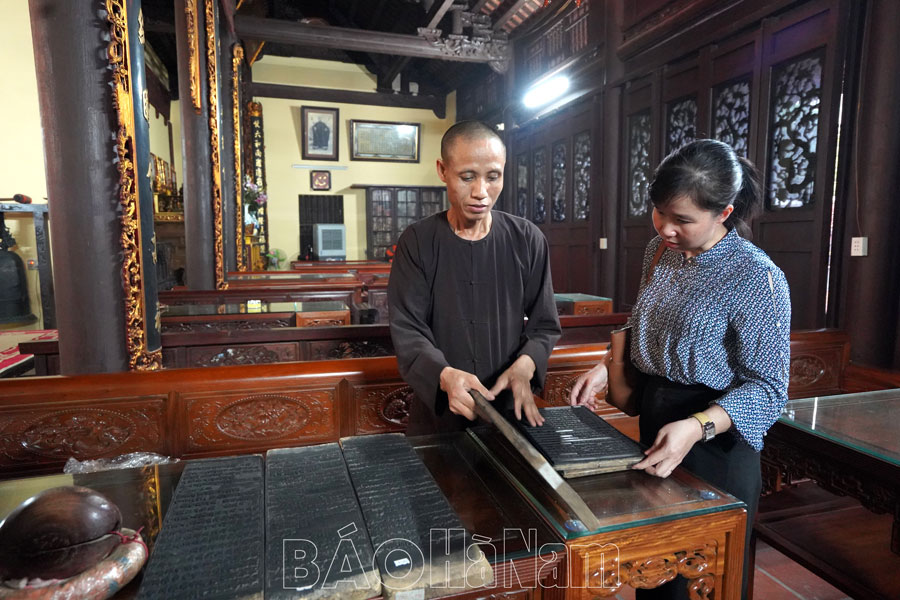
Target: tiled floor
point(778, 578)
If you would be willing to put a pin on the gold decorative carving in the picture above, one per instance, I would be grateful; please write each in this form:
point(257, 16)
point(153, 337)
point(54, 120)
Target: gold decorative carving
point(236, 59)
point(193, 43)
point(174, 217)
point(141, 27)
point(213, 97)
point(151, 502)
point(321, 322)
point(145, 102)
point(139, 358)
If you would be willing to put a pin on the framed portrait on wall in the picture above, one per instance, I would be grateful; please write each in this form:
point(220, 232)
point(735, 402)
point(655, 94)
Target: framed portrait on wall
point(319, 132)
point(382, 141)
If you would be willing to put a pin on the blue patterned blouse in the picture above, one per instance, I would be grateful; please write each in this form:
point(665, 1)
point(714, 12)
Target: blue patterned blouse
point(723, 319)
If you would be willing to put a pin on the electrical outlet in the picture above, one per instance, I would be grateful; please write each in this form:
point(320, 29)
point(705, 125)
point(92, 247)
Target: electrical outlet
point(859, 246)
point(602, 243)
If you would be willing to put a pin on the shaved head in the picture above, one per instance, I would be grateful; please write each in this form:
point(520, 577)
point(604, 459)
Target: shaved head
point(468, 130)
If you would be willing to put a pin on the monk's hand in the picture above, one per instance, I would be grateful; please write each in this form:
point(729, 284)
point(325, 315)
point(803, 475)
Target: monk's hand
point(517, 378)
point(672, 444)
point(588, 385)
point(457, 385)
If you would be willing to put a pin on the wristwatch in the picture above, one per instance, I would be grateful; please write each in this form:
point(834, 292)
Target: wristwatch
point(709, 428)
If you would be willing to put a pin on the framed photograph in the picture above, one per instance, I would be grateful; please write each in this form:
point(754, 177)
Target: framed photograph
point(320, 180)
point(320, 132)
point(382, 141)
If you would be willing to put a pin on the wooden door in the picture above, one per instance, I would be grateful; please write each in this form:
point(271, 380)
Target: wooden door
point(550, 183)
point(801, 86)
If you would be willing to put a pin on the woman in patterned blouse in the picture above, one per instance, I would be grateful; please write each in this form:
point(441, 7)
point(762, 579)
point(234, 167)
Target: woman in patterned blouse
point(711, 330)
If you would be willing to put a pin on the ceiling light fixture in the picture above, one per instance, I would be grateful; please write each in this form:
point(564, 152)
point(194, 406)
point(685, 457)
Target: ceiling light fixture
point(546, 91)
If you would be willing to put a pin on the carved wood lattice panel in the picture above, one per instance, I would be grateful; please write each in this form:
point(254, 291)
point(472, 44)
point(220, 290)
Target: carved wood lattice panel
point(582, 171)
point(639, 168)
point(796, 96)
point(539, 159)
point(731, 115)
point(681, 123)
point(558, 181)
point(522, 186)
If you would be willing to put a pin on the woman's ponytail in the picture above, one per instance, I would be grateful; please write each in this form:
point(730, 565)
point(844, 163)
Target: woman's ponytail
point(748, 201)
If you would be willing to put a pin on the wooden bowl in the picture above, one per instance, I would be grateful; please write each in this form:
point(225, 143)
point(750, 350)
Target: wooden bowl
point(58, 533)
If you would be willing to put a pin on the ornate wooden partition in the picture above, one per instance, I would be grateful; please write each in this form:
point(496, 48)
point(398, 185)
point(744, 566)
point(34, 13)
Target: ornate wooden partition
point(233, 410)
point(764, 76)
point(191, 413)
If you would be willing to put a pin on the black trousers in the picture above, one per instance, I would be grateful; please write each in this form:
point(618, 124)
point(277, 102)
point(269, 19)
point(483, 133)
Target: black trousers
point(726, 461)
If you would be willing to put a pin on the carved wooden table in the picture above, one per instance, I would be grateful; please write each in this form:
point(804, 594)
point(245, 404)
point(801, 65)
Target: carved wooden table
point(651, 529)
point(850, 445)
point(524, 551)
point(322, 314)
point(582, 304)
point(235, 316)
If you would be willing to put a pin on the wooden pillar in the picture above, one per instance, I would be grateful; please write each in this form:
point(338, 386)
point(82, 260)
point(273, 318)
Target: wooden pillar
point(226, 128)
point(608, 152)
point(871, 309)
point(190, 43)
point(83, 64)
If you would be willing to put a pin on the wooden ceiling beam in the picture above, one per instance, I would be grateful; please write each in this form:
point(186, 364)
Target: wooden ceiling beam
point(509, 14)
point(436, 104)
point(317, 36)
point(435, 14)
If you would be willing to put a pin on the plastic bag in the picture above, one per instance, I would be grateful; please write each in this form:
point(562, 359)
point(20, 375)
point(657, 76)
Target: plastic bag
point(125, 461)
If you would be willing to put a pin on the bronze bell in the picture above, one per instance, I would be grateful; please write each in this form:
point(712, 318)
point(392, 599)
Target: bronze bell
point(14, 304)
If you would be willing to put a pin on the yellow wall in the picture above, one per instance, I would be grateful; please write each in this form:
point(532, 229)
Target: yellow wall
point(21, 144)
point(281, 122)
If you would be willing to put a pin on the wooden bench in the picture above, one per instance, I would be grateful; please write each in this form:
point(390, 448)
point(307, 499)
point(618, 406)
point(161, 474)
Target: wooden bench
point(346, 292)
point(190, 413)
point(232, 346)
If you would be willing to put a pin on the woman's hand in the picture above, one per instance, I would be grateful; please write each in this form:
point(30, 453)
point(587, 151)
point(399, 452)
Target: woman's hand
point(588, 385)
point(672, 444)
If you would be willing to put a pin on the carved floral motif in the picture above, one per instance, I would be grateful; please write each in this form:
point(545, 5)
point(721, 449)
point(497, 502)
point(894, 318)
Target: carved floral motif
point(214, 144)
point(242, 355)
point(363, 349)
point(806, 370)
point(214, 422)
point(191, 326)
point(82, 433)
point(118, 54)
point(654, 571)
point(793, 464)
point(262, 417)
point(236, 60)
point(383, 408)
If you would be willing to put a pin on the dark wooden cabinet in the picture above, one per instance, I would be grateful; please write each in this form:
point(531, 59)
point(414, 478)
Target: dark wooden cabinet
point(391, 209)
